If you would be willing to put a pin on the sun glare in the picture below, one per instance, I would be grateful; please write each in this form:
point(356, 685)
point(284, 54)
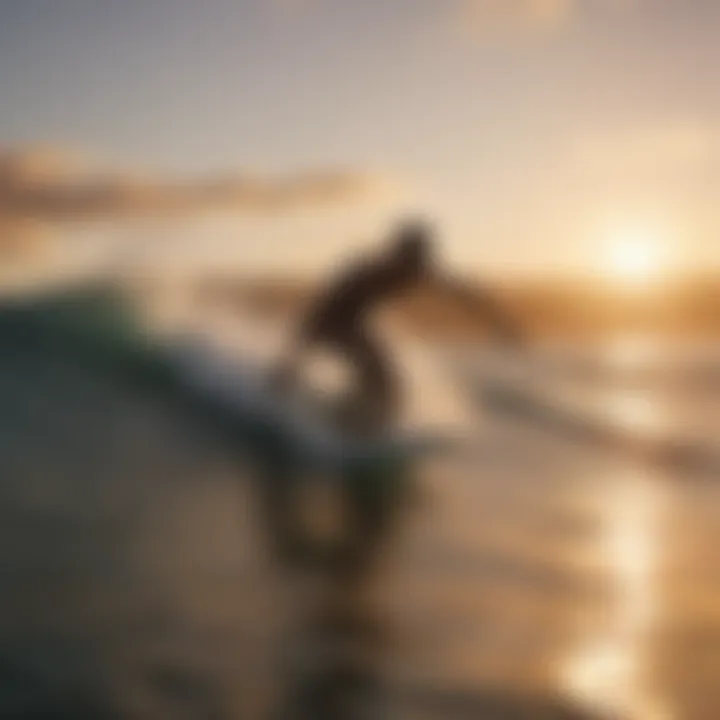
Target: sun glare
point(633, 256)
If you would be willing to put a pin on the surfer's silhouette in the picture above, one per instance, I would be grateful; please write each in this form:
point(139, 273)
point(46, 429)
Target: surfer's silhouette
point(338, 319)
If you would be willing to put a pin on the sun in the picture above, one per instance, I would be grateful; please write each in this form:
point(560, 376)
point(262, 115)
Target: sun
point(633, 256)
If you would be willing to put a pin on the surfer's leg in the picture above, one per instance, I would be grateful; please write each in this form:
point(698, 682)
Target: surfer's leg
point(377, 386)
point(278, 496)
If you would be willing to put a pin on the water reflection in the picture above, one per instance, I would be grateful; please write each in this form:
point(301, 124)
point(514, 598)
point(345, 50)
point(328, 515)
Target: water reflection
point(629, 407)
point(332, 659)
point(630, 353)
point(607, 669)
point(633, 412)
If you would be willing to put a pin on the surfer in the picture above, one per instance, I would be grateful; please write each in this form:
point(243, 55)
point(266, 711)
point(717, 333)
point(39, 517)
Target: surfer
point(338, 318)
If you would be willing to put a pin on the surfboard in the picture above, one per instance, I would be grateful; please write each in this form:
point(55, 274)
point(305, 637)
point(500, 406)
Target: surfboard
point(293, 428)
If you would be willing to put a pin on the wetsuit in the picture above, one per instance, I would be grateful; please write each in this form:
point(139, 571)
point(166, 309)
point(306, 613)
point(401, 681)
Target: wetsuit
point(339, 320)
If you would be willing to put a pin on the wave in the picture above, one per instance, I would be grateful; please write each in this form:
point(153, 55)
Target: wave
point(578, 423)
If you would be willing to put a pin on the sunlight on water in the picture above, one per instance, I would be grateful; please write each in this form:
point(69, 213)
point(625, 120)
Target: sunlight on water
point(633, 412)
point(630, 352)
point(607, 670)
point(633, 409)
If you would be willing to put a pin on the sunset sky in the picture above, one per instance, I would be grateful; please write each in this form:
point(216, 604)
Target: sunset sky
point(539, 134)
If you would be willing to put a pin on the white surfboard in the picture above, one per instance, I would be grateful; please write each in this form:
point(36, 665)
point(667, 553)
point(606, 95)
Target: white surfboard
point(240, 388)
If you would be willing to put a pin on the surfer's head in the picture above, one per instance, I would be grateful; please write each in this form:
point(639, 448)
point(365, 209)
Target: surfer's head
point(412, 246)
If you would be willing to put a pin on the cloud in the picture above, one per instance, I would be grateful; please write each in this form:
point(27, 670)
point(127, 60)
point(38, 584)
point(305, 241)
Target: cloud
point(292, 5)
point(22, 240)
point(43, 192)
point(483, 18)
point(493, 15)
point(41, 185)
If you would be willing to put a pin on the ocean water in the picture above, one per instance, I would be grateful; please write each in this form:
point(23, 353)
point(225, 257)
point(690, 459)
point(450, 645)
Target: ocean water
point(616, 545)
point(549, 562)
point(540, 574)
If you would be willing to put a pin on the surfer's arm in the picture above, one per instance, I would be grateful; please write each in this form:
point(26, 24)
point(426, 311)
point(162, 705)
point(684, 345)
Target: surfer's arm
point(481, 303)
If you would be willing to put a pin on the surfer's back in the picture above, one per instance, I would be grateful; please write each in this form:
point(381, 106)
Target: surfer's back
point(355, 292)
